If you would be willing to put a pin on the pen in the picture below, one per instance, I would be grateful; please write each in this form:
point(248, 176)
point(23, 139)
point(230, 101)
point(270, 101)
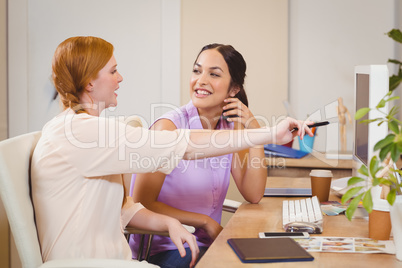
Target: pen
point(318, 124)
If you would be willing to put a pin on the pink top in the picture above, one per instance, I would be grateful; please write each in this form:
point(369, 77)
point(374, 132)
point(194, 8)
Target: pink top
point(194, 185)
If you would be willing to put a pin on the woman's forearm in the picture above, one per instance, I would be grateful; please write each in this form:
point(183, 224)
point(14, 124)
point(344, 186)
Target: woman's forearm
point(255, 176)
point(185, 217)
point(151, 221)
point(207, 143)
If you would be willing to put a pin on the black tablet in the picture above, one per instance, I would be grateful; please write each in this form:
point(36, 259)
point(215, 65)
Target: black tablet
point(259, 250)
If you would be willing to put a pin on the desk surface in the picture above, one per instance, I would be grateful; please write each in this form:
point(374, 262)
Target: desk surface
point(250, 219)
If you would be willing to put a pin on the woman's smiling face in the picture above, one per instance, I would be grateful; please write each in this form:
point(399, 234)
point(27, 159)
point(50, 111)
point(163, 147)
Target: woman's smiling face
point(210, 81)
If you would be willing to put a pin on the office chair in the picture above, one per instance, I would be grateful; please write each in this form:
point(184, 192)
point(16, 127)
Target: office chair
point(15, 158)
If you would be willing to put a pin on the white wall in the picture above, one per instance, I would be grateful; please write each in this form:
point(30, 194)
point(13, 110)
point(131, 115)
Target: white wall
point(327, 39)
point(3, 70)
point(146, 36)
point(4, 229)
point(258, 29)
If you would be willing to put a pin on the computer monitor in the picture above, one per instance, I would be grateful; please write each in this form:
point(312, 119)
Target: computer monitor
point(371, 85)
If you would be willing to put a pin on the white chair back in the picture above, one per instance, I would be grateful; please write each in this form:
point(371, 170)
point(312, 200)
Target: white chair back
point(15, 156)
point(15, 159)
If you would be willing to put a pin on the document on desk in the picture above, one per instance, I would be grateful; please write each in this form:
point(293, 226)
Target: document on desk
point(261, 250)
point(346, 245)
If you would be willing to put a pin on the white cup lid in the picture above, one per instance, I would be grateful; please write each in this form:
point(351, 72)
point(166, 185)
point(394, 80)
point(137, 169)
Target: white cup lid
point(320, 173)
point(380, 204)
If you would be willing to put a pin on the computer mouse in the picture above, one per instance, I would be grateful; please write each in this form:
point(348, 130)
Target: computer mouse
point(308, 227)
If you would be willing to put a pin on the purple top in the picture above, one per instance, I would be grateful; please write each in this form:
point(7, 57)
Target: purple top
point(194, 185)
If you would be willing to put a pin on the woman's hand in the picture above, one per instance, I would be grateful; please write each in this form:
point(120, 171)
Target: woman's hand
point(179, 236)
point(148, 220)
point(234, 107)
point(284, 131)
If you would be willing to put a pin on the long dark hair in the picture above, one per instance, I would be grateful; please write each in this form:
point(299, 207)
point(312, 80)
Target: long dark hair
point(237, 67)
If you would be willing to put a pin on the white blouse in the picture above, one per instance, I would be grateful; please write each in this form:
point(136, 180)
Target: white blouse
point(77, 183)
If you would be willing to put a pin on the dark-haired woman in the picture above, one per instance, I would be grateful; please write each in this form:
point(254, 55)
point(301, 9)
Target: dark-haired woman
point(195, 190)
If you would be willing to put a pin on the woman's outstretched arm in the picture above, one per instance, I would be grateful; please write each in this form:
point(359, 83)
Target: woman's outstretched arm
point(207, 143)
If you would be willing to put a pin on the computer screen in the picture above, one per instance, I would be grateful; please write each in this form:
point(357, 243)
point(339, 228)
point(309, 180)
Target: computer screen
point(362, 100)
point(371, 85)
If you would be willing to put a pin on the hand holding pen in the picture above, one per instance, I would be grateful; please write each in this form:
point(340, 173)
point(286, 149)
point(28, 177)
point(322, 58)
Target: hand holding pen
point(318, 124)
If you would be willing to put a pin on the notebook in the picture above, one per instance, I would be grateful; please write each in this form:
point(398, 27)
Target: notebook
point(283, 151)
point(260, 250)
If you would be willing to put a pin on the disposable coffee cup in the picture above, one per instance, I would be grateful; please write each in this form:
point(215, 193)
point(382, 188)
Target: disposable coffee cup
point(380, 220)
point(321, 183)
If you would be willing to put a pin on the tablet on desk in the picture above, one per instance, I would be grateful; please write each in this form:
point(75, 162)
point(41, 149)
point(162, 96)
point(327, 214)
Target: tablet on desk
point(261, 250)
point(288, 192)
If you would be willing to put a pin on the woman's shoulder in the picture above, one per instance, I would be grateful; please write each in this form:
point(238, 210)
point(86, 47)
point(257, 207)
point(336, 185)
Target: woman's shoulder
point(164, 124)
point(179, 117)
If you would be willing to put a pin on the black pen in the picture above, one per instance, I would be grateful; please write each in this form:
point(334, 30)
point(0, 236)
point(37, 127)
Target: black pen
point(318, 124)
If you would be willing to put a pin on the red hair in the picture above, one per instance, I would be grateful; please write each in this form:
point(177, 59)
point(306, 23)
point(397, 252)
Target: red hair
point(76, 61)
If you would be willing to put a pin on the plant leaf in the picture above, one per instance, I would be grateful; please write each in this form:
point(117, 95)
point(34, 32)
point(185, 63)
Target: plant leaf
point(385, 181)
point(381, 104)
point(368, 121)
point(352, 207)
point(391, 196)
point(394, 110)
point(384, 142)
point(350, 193)
point(384, 151)
point(376, 181)
point(354, 180)
point(395, 153)
point(393, 126)
point(394, 81)
point(392, 180)
point(363, 170)
point(394, 61)
point(368, 201)
point(374, 166)
point(396, 35)
point(361, 112)
point(395, 97)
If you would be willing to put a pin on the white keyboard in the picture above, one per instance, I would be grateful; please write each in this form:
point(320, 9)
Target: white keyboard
point(302, 215)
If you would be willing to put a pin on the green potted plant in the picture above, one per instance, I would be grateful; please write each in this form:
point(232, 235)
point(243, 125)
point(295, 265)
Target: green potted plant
point(389, 148)
point(395, 79)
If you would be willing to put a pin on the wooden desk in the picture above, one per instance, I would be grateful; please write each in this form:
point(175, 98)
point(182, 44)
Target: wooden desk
point(290, 167)
point(250, 219)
